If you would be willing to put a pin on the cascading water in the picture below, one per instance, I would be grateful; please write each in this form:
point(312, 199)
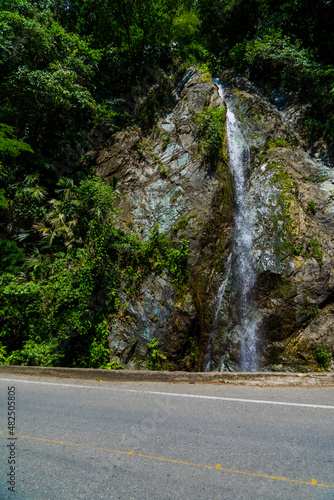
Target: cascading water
point(243, 272)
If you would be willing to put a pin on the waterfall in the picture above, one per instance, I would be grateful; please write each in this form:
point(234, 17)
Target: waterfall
point(243, 272)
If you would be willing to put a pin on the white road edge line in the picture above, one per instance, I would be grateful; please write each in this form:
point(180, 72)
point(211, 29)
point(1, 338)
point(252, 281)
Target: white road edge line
point(175, 394)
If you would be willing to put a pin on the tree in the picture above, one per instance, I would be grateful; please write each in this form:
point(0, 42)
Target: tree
point(47, 79)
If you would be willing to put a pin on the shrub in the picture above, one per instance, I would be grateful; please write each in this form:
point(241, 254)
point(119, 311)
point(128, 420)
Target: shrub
point(322, 356)
point(113, 366)
point(312, 207)
point(156, 357)
point(211, 130)
point(316, 251)
point(11, 256)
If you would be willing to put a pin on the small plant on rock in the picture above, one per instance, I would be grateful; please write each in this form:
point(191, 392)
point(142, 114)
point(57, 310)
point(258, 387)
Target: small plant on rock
point(164, 172)
point(211, 130)
point(156, 357)
point(322, 356)
point(113, 366)
point(312, 207)
point(316, 251)
point(165, 141)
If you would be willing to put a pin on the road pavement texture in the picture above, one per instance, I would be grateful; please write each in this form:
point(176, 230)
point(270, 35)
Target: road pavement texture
point(105, 440)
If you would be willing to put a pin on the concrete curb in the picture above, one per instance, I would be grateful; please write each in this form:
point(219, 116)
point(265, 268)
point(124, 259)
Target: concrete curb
point(249, 378)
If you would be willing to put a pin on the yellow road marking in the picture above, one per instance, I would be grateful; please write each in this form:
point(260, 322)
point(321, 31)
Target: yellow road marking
point(313, 482)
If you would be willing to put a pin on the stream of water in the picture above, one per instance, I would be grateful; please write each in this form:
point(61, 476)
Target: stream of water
point(243, 272)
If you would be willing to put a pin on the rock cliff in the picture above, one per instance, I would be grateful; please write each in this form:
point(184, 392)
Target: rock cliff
point(169, 179)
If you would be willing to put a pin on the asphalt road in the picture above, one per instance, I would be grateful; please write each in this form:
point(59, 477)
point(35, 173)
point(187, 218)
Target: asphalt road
point(100, 440)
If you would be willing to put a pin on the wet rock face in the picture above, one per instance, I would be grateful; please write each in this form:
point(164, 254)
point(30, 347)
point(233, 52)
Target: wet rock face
point(165, 181)
point(291, 194)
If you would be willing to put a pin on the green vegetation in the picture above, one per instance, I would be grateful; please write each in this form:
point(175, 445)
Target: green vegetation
point(315, 250)
point(322, 356)
point(182, 223)
point(312, 208)
point(317, 180)
point(285, 44)
point(277, 143)
point(11, 257)
point(155, 356)
point(164, 172)
point(211, 130)
point(57, 307)
point(113, 366)
point(72, 73)
point(297, 250)
point(165, 141)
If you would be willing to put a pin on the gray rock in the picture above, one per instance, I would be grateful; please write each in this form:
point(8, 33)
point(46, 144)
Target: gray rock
point(166, 181)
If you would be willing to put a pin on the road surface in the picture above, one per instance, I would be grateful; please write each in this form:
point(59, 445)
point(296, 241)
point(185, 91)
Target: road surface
point(100, 440)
